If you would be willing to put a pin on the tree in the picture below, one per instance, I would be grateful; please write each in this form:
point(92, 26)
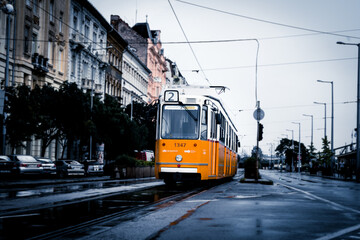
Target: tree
point(46, 101)
point(22, 117)
point(73, 112)
point(285, 147)
point(325, 156)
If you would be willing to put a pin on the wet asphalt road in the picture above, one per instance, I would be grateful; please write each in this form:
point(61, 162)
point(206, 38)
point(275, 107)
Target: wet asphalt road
point(295, 207)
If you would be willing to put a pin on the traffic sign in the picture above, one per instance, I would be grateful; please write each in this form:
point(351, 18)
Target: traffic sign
point(259, 114)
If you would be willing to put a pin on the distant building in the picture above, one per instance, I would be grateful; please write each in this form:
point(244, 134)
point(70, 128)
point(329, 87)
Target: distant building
point(147, 46)
point(174, 76)
point(116, 46)
point(135, 79)
point(87, 61)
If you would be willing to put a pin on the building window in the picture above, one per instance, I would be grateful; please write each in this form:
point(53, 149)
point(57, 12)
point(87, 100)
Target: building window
point(51, 11)
point(94, 39)
point(61, 23)
point(73, 64)
point(35, 7)
point(26, 39)
point(50, 51)
point(75, 20)
point(87, 27)
point(34, 44)
point(60, 61)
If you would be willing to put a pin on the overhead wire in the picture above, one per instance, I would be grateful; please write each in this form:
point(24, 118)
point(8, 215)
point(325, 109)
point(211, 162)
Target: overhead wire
point(187, 40)
point(266, 21)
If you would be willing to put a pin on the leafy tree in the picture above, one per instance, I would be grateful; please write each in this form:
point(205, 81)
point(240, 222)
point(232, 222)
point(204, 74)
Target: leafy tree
point(73, 113)
point(326, 154)
point(22, 117)
point(285, 147)
point(46, 101)
point(145, 116)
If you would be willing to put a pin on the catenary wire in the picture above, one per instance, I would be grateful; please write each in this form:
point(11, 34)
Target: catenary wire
point(266, 21)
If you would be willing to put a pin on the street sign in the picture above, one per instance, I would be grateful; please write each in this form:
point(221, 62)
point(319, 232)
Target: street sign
point(259, 114)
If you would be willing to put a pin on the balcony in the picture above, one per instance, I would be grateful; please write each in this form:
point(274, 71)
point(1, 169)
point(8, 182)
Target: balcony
point(86, 83)
point(77, 41)
point(40, 63)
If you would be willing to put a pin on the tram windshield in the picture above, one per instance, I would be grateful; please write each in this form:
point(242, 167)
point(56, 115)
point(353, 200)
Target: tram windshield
point(180, 122)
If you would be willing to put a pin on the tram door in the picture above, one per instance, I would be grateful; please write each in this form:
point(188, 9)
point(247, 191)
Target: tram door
point(213, 148)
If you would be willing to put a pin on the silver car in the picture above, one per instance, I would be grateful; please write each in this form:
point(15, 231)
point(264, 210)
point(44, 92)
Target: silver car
point(26, 164)
point(69, 168)
point(48, 165)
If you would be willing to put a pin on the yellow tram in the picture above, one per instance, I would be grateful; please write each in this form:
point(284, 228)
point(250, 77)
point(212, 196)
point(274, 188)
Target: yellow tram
point(195, 137)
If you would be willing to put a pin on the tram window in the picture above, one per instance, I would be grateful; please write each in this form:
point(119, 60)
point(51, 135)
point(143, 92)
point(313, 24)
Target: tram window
point(180, 122)
point(204, 123)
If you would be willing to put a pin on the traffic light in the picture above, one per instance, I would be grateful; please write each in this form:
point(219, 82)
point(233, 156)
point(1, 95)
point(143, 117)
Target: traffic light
point(260, 132)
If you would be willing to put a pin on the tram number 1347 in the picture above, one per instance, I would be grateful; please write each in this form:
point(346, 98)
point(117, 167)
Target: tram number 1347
point(180, 144)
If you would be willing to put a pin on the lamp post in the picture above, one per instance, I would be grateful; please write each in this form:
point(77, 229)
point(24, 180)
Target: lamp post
point(7, 9)
point(299, 157)
point(358, 112)
point(332, 120)
point(292, 147)
point(312, 129)
point(324, 117)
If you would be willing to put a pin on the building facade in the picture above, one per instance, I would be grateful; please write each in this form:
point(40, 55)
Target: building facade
point(37, 49)
point(135, 79)
point(147, 46)
point(116, 46)
point(174, 76)
point(87, 56)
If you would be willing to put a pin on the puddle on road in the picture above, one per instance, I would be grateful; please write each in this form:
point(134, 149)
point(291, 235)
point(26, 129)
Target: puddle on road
point(63, 188)
point(34, 223)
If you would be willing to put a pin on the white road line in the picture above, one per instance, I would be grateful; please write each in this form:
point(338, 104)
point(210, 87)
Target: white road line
point(22, 215)
point(339, 233)
point(322, 199)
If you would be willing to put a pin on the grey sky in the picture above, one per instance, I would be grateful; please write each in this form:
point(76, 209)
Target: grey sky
point(290, 59)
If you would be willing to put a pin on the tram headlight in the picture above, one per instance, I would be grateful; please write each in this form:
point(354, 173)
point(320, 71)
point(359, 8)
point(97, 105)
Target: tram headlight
point(178, 158)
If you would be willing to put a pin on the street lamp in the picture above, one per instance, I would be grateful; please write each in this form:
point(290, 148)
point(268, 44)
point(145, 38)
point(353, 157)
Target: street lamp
point(332, 119)
point(312, 124)
point(358, 112)
point(299, 157)
point(292, 147)
point(324, 117)
point(7, 9)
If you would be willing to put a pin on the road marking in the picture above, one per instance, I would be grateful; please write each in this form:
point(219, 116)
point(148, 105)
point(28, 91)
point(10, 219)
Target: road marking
point(322, 199)
point(339, 233)
point(22, 215)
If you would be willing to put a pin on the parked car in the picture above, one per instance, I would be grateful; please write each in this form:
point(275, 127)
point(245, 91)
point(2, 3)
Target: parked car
point(6, 165)
point(25, 164)
point(69, 168)
point(49, 167)
point(93, 168)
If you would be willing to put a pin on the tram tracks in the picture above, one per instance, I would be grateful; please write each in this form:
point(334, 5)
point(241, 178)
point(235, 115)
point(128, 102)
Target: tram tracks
point(102, 223)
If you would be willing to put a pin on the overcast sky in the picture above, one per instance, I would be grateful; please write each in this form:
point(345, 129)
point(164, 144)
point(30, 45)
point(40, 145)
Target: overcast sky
point(294, 52)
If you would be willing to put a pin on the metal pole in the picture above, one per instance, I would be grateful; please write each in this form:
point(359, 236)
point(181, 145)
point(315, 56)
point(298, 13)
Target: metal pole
point(358, 121)
point(292, 146)
point(91, 108)
point(299, 161)
point(131, 112)
point(358, 113)
point(325, 122)
point(6, 78)
point(332, 126)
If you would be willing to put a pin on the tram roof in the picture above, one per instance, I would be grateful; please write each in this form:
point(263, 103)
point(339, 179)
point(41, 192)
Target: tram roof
point(199, 90)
